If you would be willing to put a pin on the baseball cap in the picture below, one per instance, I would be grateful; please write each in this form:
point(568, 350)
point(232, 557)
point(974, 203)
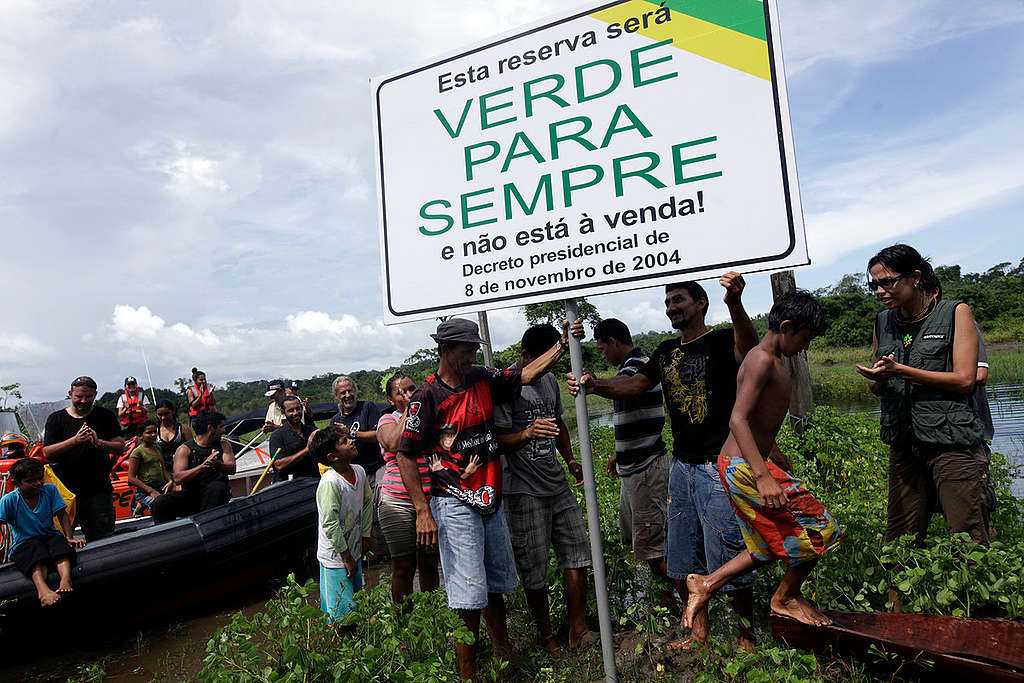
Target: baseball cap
point(458, 330)
point(274, 387)
point(130, 380)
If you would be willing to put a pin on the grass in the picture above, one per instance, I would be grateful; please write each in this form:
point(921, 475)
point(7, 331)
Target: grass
point(835, 381)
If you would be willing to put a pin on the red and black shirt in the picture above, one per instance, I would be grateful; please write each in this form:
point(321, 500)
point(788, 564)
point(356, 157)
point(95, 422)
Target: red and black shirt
point(455, 424)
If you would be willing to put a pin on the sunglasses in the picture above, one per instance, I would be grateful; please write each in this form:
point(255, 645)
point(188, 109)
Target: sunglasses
point(885, 282)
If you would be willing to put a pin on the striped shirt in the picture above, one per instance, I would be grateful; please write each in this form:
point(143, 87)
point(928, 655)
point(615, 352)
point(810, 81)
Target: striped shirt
point(392, 481)
point(638, 423)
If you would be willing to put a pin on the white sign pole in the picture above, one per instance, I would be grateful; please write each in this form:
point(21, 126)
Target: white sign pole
point(593, 511)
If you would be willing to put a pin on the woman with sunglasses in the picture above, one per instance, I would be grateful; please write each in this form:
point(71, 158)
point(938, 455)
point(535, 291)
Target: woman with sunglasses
point(924, 371)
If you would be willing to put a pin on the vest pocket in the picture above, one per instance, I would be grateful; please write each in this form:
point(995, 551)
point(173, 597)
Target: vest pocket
point(890, 419)
point(946, 425)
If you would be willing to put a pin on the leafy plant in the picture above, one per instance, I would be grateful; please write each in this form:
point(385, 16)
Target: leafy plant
point(292, 640)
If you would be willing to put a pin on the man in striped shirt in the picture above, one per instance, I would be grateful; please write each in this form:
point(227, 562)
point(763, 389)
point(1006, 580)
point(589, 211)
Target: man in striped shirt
point(640, 457)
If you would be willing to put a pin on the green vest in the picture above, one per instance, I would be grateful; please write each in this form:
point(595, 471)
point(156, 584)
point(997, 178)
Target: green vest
point(913, 412)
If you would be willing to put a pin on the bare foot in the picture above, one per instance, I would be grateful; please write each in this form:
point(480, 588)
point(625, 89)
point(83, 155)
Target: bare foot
point(582, 640)
point(696, 602)
point(688, 643)
point(65, 587)
point(48, 598)
point(799, 608)
point(551, 645)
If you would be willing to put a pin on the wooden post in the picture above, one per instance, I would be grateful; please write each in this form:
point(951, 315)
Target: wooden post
point(801, 403)
point(485, 334)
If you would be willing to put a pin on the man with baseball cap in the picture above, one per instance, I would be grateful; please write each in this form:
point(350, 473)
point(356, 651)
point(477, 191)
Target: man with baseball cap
point(131, 407)
point(275, 411)
point(449, 421)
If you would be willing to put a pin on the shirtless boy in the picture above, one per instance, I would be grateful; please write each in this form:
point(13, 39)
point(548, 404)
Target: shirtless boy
point(778, 517)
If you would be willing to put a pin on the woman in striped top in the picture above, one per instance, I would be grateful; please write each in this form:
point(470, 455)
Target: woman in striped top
point(396, 512)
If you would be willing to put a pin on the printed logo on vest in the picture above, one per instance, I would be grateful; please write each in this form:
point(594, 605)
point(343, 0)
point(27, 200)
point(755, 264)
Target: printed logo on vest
point(934, 336)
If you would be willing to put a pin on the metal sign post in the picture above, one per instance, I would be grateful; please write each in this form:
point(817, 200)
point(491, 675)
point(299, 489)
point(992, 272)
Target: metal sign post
point(593, 511)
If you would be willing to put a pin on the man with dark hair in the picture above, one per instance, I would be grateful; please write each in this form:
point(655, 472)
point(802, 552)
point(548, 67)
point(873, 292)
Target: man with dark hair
point(201, 467)
point(81, 441)
point(780, 519)
point(291, 443)
point(449, 419)
point(640, 457)
point(697, 372)
point(542, 512)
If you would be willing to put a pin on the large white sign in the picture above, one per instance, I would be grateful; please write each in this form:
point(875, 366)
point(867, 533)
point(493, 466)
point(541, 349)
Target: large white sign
point(623, 146)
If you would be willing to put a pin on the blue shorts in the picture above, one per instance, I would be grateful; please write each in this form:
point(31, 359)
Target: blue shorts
point(337, 590)
point(703, 532)
point(476, 553)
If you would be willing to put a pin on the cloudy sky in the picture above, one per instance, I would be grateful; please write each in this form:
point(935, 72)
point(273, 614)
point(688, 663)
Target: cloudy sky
point(198, 178)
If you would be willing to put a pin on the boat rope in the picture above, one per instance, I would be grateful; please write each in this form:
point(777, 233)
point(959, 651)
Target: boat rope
point(801, 420)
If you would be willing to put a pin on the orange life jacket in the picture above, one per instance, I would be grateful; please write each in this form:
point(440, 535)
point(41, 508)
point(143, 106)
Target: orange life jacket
point(205, 401)
point(136, 413)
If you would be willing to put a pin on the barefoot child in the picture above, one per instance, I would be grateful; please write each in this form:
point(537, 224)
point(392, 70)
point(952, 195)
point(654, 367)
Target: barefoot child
point(37, 546)
point(778, 517)
point(344, 505)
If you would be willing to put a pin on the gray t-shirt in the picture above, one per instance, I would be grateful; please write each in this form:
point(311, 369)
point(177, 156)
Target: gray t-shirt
point(981, 408)
point(534, 468)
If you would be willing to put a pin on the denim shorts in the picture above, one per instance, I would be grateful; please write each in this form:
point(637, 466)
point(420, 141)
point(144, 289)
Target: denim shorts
point(476, 553)
point(703, 533)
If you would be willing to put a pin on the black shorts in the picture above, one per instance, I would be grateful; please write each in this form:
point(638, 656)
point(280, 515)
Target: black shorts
point(46, 549)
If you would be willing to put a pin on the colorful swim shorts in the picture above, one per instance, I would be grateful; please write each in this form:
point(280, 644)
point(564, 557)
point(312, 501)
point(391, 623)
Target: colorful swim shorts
point(797, 533)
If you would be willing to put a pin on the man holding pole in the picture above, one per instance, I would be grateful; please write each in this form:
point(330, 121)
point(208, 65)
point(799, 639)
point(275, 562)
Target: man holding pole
point(541, 509)
point(698, 377)
point(450, 418)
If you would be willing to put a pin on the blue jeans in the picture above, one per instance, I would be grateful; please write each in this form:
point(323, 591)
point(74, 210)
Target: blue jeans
point(703, 533)
point(476, 552)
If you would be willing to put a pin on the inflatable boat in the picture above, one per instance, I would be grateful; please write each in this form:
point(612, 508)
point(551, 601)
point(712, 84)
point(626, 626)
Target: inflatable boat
point(143, 572)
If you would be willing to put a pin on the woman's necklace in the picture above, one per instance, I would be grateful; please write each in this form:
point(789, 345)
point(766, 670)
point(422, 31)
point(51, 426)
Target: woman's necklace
point(925, 312)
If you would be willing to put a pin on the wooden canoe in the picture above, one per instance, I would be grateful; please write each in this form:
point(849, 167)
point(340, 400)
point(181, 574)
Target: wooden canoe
point(983, 649)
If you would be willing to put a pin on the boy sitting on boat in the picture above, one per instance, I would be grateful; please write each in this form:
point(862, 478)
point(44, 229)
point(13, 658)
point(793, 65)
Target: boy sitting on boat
point(344, 505)
point(37, 546)
point(778, 517)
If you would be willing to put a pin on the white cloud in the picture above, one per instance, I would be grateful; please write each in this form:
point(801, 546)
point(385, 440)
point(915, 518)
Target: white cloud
point(18, 350)
point(862, 33)
point(908, 184)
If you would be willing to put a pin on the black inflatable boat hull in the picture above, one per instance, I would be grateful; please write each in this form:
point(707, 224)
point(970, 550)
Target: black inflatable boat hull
point(137, 575)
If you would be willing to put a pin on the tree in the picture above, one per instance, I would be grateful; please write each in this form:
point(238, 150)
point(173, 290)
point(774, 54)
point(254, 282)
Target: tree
point(553, 313)
point(851, 283)
point(422, 356)
point(9, 391)
point(182, 384)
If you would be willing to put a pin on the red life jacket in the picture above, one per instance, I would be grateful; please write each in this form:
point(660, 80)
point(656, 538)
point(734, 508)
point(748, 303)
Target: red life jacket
point(205, 401)
point(136, 413)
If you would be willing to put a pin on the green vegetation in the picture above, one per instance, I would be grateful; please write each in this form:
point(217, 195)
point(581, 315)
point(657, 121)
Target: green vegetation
point(840, 459)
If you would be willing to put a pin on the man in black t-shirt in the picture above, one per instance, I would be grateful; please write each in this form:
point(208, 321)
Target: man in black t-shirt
point(697, 373)
point(81, 442)
point(292, 438)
